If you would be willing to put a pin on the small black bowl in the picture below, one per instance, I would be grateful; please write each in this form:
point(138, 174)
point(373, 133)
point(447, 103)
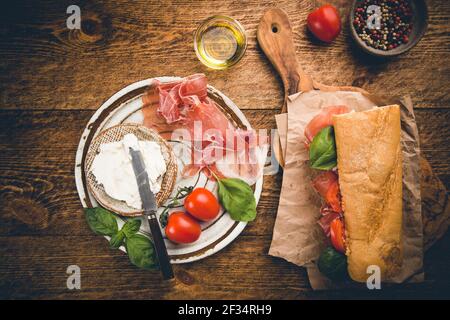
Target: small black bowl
point(420, 22)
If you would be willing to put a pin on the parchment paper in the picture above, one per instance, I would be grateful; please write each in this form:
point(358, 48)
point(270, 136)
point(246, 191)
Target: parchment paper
point(297, 237)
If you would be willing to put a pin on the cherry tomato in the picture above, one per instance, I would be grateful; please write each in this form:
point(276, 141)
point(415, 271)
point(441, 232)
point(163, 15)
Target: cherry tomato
point(337, 234)
point(202, 204)
point(181, 228)
point(325, 23)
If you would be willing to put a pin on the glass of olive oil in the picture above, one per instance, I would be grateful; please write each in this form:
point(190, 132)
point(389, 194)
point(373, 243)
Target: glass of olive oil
point(220, 42)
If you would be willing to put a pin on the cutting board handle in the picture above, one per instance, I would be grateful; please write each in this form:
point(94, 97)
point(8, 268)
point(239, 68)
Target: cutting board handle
point(275, 38)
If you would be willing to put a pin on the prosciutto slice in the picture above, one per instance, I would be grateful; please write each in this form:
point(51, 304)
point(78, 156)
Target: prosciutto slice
point(183, 109)
point(328, 215)
point(327, 185)
point(187, 101)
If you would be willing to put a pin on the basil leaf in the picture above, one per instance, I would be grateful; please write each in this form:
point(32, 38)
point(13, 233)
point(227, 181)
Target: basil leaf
point(237, 198)
point(333, 264)
point(101, 221)
point(131, 227)
point(141, 252)
point(139, 248)
point(322, 151)
point(117, 239)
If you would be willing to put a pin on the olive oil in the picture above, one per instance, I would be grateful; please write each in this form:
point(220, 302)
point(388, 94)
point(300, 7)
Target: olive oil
point(220, 42)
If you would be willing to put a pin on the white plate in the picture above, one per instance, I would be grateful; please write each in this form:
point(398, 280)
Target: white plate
point(125, 107)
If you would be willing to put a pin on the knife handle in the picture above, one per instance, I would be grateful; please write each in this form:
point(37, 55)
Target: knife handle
point(160, 246)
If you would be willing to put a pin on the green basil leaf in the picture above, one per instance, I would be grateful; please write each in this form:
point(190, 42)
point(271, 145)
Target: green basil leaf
point(131, 227)
point(333, 264)
point(237, 198)
point(101, 221)
point(141, 252)
point(322, 151)
point(128, 229)
point(117, 239)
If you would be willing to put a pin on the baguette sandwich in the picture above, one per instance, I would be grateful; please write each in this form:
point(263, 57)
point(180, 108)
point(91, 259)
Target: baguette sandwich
point(358, 155)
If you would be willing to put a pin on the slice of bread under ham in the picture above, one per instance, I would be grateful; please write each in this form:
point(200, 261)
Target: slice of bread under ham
point(370, 177)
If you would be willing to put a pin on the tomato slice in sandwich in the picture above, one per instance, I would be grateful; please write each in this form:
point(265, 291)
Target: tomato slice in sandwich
point(327, 185)
point(323, 120)
point(337, 234)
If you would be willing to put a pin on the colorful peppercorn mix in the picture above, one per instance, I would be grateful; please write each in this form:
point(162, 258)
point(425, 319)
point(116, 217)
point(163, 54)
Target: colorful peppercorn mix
point(395, 23)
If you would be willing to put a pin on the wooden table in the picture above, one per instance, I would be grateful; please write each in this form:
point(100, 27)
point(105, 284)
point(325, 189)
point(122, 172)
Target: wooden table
point(53, 79)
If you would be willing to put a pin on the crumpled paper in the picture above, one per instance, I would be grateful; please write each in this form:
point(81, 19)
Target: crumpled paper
point(297, 237)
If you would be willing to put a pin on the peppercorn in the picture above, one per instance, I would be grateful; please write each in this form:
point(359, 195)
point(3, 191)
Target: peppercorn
point(395, 24)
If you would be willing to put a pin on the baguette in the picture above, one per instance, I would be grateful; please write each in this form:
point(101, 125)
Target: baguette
point(369, 163)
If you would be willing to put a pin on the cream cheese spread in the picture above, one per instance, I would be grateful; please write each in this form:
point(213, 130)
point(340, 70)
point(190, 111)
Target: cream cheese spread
point(113, 169)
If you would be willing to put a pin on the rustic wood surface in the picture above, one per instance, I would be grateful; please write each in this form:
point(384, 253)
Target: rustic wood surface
point(53, 79)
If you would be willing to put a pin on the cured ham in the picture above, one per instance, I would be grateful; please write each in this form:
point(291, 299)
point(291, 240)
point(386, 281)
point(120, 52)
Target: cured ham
point(180, 104)
point(323, 120)
point(177, 98)
point(327, 185)
point(328, 216)
point(187, 102)
point(239, 164)
point(182, 110)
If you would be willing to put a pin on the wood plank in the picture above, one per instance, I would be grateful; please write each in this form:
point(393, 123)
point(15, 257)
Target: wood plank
point(36, 267)
point(45, 65)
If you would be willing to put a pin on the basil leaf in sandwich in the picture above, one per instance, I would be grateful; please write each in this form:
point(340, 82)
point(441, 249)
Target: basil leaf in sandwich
point(333, 264)
point(322, 151)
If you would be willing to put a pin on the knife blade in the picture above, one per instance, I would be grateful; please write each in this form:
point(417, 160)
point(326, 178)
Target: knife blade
point(149, 207)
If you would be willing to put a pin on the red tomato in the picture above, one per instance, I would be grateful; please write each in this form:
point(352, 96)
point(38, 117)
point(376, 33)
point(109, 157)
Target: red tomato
point(333, 198)
point(325, 23)
point(181, 228)
point(202, 204)
point(322, 120)
point(337, 234)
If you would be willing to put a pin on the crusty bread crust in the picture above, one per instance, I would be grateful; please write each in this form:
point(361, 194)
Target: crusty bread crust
point(370, 178)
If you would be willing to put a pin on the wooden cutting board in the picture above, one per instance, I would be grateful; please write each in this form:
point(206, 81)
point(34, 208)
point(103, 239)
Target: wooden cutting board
point(274, 35)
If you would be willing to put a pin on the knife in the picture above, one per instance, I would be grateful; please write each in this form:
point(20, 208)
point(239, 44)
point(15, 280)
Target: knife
point(149, 207)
